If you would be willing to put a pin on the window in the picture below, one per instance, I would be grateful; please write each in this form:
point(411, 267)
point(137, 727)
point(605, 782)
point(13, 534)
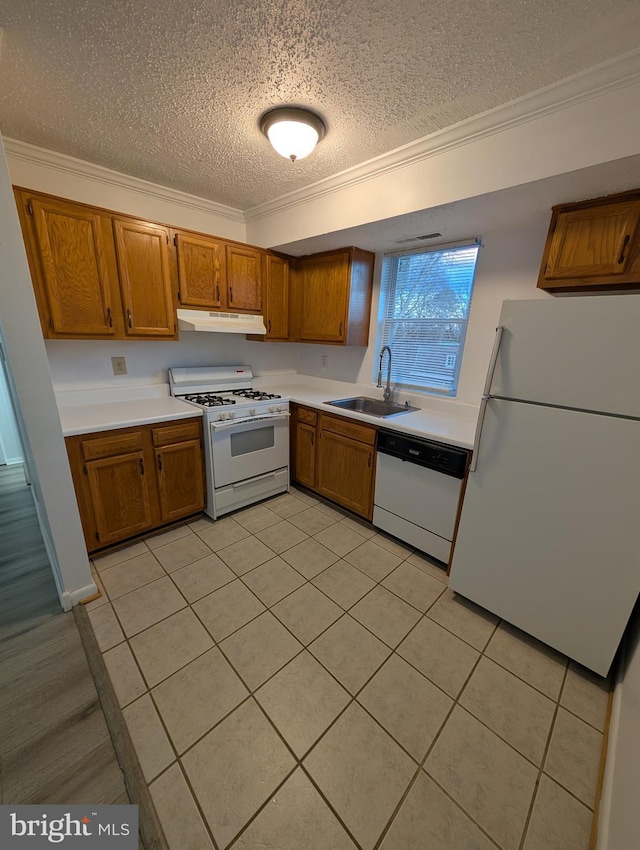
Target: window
point(424, 308)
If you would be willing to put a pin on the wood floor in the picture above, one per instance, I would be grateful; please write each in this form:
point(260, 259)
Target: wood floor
point(54, 743)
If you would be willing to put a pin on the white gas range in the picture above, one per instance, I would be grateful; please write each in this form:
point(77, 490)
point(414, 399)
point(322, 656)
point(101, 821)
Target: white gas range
point(246, 434)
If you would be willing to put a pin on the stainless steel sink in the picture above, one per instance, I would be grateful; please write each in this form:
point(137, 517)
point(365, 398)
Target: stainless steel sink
point(371, 406)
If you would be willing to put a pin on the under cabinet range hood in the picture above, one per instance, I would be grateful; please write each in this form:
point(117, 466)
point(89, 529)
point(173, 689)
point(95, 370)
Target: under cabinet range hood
point(229, 323)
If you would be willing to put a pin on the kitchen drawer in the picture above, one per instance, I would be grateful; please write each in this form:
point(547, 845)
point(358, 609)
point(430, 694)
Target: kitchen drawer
point(113, 444)
point(187, 430)
point(348, 428)
point(307, 415)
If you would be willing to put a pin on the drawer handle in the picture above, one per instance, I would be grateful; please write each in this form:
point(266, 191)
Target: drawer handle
point(129, 319)
point(141, 467)
point(625, 242)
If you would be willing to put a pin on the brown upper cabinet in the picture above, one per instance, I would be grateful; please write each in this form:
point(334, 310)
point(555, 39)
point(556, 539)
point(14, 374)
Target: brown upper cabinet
point(244, 279)
point(276, 297)
point(202, 271)
point(74, 285)
point(145, 278)
point(332, 297)
point(593, 245)
point(217, 275)
point(95, 274)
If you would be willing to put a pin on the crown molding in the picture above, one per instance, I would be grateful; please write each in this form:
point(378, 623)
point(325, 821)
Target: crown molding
point(594, 82)
point(79, 168)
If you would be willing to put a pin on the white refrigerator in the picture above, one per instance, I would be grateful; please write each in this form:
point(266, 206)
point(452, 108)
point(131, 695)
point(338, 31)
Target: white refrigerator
point(549, 535)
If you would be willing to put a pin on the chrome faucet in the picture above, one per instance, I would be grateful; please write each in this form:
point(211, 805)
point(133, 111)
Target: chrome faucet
point(386, 395)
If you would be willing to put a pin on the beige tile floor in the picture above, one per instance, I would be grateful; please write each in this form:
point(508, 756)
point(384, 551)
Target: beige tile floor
point(293, 679)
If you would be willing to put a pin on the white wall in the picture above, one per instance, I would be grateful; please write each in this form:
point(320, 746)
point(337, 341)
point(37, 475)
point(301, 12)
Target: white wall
point(538, 137)
point(508, 266)
point(79, 364)
point(27, 368)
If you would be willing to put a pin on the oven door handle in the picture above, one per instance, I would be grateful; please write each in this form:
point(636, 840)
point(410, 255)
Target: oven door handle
point(231, 423)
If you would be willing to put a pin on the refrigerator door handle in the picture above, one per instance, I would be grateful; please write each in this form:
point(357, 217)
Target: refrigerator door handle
point(485, 397)
point(493, 360)
point(476, 440)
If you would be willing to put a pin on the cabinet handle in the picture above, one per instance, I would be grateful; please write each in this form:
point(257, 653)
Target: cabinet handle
point(340, 331)
point(231, 295)
point(218, 292)
point(625, 242)
point(141, 467)
point(160, 462)
point(109, 317)
point(369, 461)
point(269, 326)
point(129, 319)
point(313, 439)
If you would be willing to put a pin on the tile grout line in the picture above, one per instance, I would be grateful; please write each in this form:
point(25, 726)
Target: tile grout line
point(536, 786)
point(422, 763)
point(353, 697)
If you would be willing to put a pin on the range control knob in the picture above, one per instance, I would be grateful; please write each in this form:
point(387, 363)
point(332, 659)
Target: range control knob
point(252, 411)
point(280, 407)
point(272, 408)
point(231, 416)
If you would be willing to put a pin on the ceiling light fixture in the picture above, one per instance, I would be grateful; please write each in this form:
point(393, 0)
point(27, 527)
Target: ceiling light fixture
point(293, 131)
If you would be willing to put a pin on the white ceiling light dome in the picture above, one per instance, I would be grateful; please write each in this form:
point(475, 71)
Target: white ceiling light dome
point(293, 131)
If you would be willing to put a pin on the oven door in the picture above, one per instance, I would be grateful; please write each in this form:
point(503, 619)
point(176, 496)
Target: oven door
point(246, 448)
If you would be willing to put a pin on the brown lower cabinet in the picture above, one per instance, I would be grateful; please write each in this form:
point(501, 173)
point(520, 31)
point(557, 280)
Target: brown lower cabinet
point(334, 456)
point(132, 480)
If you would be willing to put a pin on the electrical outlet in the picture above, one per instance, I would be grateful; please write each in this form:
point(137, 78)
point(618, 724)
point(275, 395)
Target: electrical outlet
point(324, 361)
point(119, 365)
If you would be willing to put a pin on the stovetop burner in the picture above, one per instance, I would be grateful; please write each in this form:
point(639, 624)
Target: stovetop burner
point(255, 395)
point(209, 399)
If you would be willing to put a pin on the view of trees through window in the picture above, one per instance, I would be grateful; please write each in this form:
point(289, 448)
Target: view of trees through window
point(425, 300)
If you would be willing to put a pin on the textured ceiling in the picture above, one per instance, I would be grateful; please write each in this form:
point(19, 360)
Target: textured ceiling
point(171, 92)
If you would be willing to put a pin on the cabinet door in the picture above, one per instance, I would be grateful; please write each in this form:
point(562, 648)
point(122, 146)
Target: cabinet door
point(145, 278)
point(70, 243)
point(592, 242)
point(305, 457)
point(201, 271)
point(277, 298)
point(120, 496)
point(324, 298)
point(180, 479)
point(346, 471)
point(244, 279)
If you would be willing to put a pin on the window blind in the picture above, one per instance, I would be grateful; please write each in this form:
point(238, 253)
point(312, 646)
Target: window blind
point(424, 308)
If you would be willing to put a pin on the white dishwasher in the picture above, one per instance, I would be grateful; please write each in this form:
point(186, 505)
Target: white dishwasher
point(417, 491)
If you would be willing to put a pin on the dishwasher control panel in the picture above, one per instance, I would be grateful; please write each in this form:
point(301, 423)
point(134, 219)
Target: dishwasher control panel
point(446, 459)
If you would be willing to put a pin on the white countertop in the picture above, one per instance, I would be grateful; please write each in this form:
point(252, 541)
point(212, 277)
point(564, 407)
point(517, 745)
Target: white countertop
point(81, 413)
point(86, 410)
point(445, 427)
